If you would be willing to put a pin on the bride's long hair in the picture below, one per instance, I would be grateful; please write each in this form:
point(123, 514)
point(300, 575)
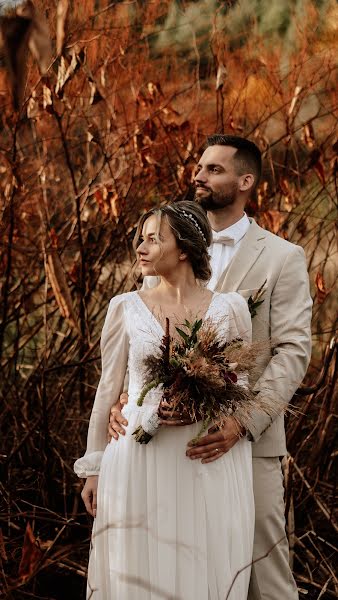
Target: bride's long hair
point(191, 229)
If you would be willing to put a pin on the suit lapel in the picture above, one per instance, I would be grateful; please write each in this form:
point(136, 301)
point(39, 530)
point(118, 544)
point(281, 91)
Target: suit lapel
point(249, 250)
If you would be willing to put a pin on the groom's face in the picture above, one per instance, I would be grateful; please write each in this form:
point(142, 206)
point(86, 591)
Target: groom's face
point(216, 181)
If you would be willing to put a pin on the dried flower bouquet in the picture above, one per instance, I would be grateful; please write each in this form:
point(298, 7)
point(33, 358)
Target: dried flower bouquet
point(203, 377)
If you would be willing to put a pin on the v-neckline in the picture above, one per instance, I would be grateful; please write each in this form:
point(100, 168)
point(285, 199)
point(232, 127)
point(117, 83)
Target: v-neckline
point(205, 316)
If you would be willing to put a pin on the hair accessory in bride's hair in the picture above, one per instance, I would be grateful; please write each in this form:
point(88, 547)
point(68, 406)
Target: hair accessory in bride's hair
point(193, 220)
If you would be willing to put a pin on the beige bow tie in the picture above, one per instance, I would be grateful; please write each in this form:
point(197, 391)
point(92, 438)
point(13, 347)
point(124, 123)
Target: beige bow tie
point(223, 239)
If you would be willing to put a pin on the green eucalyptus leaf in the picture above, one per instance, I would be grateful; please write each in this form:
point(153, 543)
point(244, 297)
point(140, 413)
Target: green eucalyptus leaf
point(197, 326)
point(183, 334)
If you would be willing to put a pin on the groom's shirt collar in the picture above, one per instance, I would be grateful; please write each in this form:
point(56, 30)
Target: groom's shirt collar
point(236, 231)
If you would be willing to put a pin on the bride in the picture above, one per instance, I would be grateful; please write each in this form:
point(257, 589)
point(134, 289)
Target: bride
point(165, 526)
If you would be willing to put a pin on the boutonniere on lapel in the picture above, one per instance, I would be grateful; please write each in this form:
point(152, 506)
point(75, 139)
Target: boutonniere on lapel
point(255, 301)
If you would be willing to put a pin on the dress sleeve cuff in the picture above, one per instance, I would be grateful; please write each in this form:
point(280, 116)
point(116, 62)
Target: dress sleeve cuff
point(88, 465)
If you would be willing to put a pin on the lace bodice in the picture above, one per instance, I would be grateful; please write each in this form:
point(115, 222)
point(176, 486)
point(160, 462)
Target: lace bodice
point(130, 333)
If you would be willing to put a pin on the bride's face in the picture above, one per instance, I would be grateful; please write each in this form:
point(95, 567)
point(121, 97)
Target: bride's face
point(158, 253)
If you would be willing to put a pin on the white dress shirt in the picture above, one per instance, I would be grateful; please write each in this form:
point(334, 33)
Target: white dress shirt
point(224, 246)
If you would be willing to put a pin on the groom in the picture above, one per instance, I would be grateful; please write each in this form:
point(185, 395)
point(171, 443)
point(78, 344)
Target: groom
point(243, 258)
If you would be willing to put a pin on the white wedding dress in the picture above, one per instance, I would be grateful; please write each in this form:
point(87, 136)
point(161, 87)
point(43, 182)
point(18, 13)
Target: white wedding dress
point(166, 526)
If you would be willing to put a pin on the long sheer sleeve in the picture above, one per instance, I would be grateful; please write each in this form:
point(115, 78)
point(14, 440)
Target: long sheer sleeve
point(114, 357)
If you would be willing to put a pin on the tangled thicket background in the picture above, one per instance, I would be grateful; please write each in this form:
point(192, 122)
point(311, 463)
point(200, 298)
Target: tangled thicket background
point(104, 108)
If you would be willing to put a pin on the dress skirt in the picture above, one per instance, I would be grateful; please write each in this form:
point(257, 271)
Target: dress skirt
point(168, 526)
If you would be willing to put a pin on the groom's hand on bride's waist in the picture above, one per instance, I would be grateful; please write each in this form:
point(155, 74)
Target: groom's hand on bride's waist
point(117, 422)
point(216, 443)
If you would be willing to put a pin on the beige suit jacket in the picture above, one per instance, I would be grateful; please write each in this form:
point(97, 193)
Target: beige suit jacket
point(284, 320)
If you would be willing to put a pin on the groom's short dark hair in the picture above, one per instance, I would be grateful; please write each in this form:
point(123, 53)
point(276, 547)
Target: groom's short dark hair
point(248, 158)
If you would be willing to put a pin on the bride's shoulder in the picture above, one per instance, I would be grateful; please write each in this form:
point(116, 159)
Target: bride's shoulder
point(121, 300)
point(119, 309)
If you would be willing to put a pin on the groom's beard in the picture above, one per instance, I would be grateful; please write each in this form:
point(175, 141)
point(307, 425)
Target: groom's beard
point(217, 200)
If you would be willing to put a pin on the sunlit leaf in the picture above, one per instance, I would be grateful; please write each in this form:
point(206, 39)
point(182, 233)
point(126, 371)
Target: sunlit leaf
point(319, 170)
point(297, 91)
point(31, 555)
point(221, 76)
point(116, 205)
point(66, 70)
point(274, 220)
point(95, 95)
point(58, 281)
point(322, 291)
point(182, 334)
point(46, 97)
point(32, 107)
